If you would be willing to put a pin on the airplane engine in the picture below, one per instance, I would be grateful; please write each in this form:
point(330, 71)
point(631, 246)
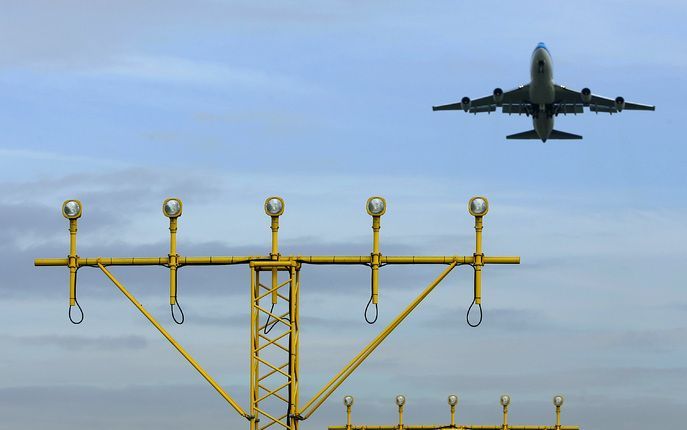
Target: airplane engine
point(619, 104)
point(586, 95)
point(498, 96)
point(465, 103)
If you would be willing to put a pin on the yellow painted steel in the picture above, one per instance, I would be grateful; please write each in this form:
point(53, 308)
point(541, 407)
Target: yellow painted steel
point(348, 417)
point(174, 343)
point(337, 380)
point(400, 418)
point(453, 415)
point(374, 263)
point(173, 260)
point(504, 426)
point(558, 417)
point(269, 377)
point(230, 260)
point(278, 379)
point(72, 261)
point(479, 260)
point(275, 255)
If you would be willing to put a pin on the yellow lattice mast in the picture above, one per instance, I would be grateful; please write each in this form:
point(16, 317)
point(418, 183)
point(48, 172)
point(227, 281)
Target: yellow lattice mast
point(274, 305)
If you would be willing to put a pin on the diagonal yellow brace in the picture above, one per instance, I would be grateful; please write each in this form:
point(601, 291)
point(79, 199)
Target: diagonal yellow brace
point(337, 380)
point(174, 343)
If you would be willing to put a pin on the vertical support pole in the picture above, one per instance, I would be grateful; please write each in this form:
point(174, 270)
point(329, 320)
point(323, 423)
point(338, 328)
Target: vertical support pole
point(400, 417)
point(505, 418)
point(294, 288)
point(453, 415)
point(348, 417)
point(254, 326)
point(479, 260)
point(72, 261)
point(275, 256)
point(375, 258)
point(173, 260)
point(558, 417)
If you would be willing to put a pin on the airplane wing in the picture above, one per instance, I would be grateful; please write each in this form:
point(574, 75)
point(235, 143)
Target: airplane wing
point(515, 101)
point(596, 103)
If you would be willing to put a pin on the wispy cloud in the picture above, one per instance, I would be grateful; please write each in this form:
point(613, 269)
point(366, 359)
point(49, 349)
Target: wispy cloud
point(179, 70)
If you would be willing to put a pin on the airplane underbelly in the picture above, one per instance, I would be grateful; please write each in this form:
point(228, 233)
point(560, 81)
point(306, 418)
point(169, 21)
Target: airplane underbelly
point(543, 125)
point(542, 93)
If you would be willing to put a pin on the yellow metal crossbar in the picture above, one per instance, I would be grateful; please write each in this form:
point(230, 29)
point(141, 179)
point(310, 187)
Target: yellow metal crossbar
point(227, 260)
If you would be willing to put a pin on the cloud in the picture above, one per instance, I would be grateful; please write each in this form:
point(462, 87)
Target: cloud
point(76, 343)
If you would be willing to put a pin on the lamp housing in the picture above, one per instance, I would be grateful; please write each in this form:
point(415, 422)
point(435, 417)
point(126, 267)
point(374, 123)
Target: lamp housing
point(172, 207)
point(72, 209)
point(375, 206)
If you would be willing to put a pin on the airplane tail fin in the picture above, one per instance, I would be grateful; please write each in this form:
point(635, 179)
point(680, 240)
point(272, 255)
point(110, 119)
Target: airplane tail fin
point(555, 134)
point(524, 135)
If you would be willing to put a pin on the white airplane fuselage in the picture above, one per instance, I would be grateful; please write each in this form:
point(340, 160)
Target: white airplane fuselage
point(542, 91)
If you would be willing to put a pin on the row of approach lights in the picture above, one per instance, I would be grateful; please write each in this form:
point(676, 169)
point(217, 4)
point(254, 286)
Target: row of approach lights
point(274, 206)
point(452, 402)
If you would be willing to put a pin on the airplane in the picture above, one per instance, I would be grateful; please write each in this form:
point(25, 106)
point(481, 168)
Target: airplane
point(543, 100)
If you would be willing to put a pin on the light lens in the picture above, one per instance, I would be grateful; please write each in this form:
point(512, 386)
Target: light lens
point(558, 401)
point(478, 206)
point(376, 205)
point(71, 209)
point(274, 206)
point(505, 400)
point(348, 401)
point(172, 208)
point(400, 400)
point(452, 400)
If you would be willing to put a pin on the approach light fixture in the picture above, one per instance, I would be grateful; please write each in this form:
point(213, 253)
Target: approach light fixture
point(400, 400)
point(348, 401)
point(452, 400)
point(478, 206)
point(71, 209)
point(558, 401)
point(172, 207)
point(376, 206)
point(274, 206)
point(505, 400)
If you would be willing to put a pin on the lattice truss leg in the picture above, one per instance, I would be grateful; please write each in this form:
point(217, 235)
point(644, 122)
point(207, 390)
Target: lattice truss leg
point(274, 347)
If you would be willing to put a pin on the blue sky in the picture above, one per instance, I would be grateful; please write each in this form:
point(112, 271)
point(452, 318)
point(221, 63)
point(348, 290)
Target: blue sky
point(326, 103)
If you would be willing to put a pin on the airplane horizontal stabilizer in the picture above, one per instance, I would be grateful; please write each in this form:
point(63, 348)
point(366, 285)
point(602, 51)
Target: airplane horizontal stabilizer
point(555, 134)
point(524, 135)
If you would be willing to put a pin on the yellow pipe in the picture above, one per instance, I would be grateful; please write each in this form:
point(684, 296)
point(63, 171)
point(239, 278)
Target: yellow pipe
point(375, 258)
point(400, 417)
point(479, 260)
point(504, 426)
point(173, 260)
point(453, 415)
point(266, 260)
point(348, 417)
point(254, 364)
point(174, 343)
point(337, 380)
point(293, 348)
point(72, 261)
point(275, 256)
point(558, 417)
